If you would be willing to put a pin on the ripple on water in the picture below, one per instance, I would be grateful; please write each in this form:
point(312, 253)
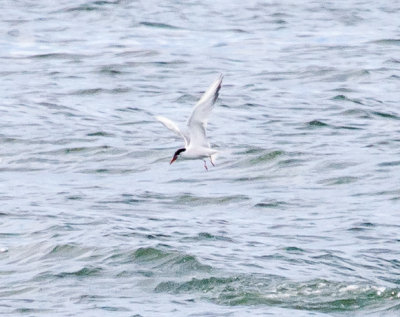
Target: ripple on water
point(386, 115)
point(66, 251)
point(205, 236)
point(258, 157)
point(317, 124)
point(159, 25)
point(202, 201)
point(98, 91)
point(342, 180)
point(345, 98)
point(272, 204)
point(84, 272)
point(170, 262)
point(315, 295)
point(320, 295)
point(387, 42)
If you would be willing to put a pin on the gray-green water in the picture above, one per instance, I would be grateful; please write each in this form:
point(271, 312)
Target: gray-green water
point(300, 216)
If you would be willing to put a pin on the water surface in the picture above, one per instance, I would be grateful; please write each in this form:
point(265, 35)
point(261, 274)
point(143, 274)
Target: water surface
point(300, 215)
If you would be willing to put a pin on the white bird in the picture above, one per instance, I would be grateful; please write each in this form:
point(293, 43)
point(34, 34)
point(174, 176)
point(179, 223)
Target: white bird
point(195, 138)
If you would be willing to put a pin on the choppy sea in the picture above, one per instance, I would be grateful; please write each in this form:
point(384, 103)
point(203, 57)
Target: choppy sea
point(300, 216)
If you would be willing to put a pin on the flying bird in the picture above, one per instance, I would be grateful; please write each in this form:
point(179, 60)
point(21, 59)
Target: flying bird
point(195, 138)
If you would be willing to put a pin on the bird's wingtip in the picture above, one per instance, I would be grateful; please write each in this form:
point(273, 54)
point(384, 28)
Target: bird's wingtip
point(161, 119)
point(219, 79)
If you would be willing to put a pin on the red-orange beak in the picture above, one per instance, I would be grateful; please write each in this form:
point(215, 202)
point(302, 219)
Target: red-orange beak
point(173, 159)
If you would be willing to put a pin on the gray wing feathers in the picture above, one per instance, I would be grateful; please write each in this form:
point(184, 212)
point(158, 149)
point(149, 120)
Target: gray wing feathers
point(173, 127)
point(197, 122)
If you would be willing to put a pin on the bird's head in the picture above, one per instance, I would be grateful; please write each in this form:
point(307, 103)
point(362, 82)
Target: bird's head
point(177, 154)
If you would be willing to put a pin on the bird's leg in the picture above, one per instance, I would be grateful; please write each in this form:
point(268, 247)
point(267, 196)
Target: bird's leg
point(212, 161)
point(205, 165)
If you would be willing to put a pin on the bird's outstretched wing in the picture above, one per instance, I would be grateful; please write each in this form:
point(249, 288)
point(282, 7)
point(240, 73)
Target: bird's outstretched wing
point(173, 127)
point(197, 122)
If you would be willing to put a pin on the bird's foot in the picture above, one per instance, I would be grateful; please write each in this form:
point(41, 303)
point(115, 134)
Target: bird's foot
point(205, 165)
point(212, 161)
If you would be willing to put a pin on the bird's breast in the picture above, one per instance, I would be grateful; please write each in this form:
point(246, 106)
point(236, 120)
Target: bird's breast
point(197, 153)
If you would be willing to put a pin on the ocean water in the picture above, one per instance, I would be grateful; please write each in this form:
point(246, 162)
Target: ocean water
point(300, 216)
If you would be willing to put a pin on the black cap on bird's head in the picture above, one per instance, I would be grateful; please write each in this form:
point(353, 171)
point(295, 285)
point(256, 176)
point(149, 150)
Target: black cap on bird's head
point(177, 154)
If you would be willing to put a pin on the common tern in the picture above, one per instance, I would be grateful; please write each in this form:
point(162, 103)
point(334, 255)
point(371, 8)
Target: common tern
point(195, 138)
